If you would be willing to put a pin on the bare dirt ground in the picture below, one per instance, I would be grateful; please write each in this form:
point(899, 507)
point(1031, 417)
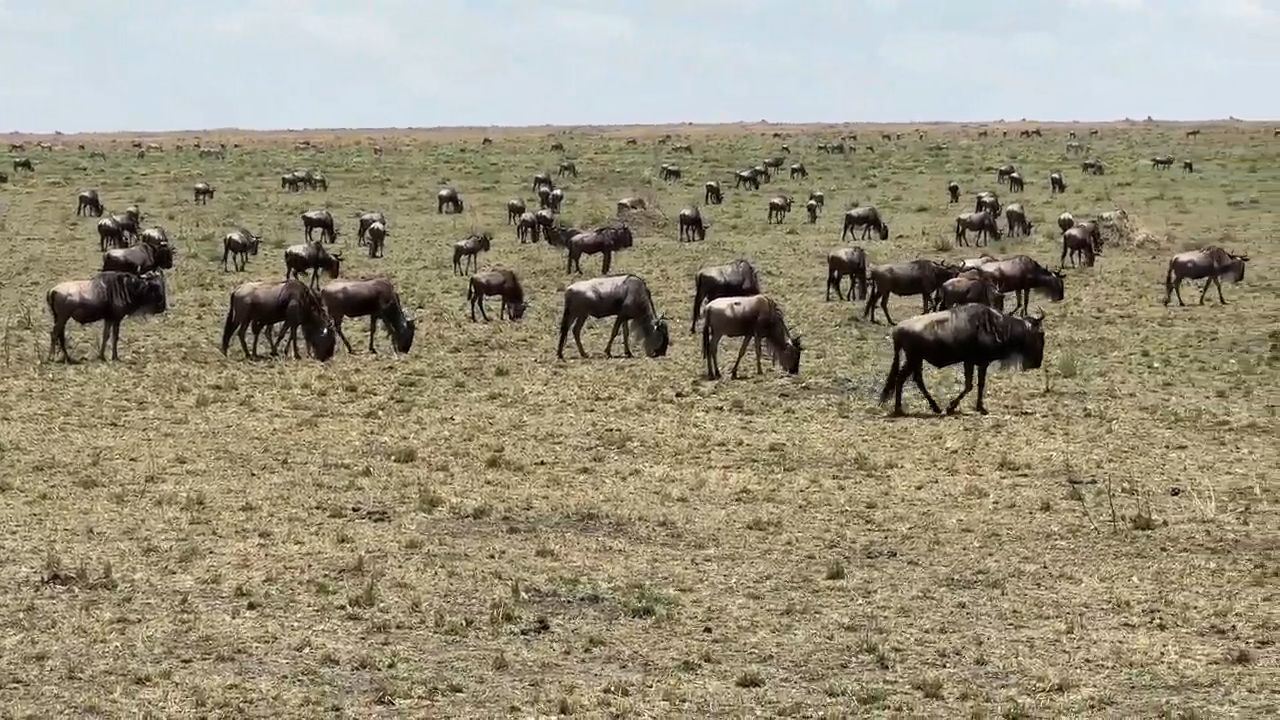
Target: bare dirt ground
point(479, 530)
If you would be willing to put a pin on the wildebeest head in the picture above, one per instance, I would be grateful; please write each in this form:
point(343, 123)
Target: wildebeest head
point(884, 231)
point(148, 292)
point(485, 239)
point(164, 256)
point(254, 242)
point(323, 341)
point(1028, 336)
point(517, 309)
point(1235, 270)
point(657, 339)
point(401, 327)
point(1055, 287)
point(790, 356)
point(334, 264)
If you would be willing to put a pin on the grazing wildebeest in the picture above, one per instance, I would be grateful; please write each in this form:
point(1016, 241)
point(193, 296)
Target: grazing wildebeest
point(798, 171)
point(1016, 183)
point(631, 141)
point(627, 298)
point(88, 203)
point(1066, 221)
point(914, 277)
point(1078, 241)
point(1056, 183)
point(851, 261)
point(973, 334)
point(712, 194)
point(773, 165)
point(154, 236)
point(819, 197)
point(868, 218)
point(953, 193)
point(784, 148)
point(469, 248)
point(203, 192)
point(980, 222)
point(515, 208)
point(109, 297)
point(747, 177)
point(544, 196)
point(970, 287)
point(502, 283)
point(542, 178)
point(1003, 172)
point(486, 141)
point(377, 239)
point(139, 259)
point(367, 219)
point(527, 227)
point(263, 304)
point(238, 245)
point(23, 164)
point(1020, 275)
point(670, 172)
point(737, 278)
point(448, 199)
point(567, 167)
point(756, 317)
point(692, 226)
point(988, 201)
point(318, 180)
point(555, 199)
point(1162, 162)
point(1016, 217)
point(374, 298)
point(558, 235)
point(778, 208)
point(811, 208)
point(605, 240)
point(1188, 166)
point(311, 256)
point(320, 220)
point(631, 203)
point(1210, 262)
point(1093, 167)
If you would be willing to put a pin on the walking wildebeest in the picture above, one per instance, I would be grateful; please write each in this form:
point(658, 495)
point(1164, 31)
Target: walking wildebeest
point(1093, 167)
point(23, 164)
point(914, 277)
point(1078, 240)
point(1210, 262)
point(953, 193)
point(811, 208)
point(542, 178)
point(546, 220)
point(756, 317)
point(851, 261)
point(988, 201)
point(448, 199)
point(970, 287)
point(367, 219)
point(627, 298)
point(1020, 275)
point(469, 248)
point(567, 168)
point(1017, 220)
point(762, 174)
point(1056, 183)
point(606, 240)
point(1003, 172)
point(1188, 166)
point(819, 197)
point(203, 192)
point(544, 196)
point(116, 231)
point(515, 208)
point(554, 199)
point(778, 208)
point(139, 259)
point(798, 171)
point(980, 222)
point(631, 203)
point(1016, 183)
point(374, 298)
point(712, 194)
point(1066, 221)
point(1162, 162)
point(238, 245)
point(527, 228)
point(311, 256)
point(692, 226)
point(973, 334)
point(738, 278)
point(502, 283)
point(868, 218)
point(88, 203)
point(320, 220)
point(1192, 134)
point(263, 304)
point(773, 165)
point(377, 238)
point(109, 297)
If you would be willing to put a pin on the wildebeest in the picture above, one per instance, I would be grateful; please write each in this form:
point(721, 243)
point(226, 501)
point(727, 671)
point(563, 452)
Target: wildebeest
point(466, 250)
point(1162, 162)
point(692, 226)
point(377, 238)
point(1020, 275)
point(4, 177)
point(546, 219)
point(1066, 221)
point(515, 208)
point(17, 146)
point(773, 165)
point(811, 209)
point(982, 223)
point(1078, 240)
point(712, 195)
point(116, 231)
point(953, 192)
point(762, 173)
point(502, 283)
point(778, 208)
point(973, 334)
point(988, 201)
point(1191, 134)
point(320, 220)
point(567, 167)
point(318, 180)
point(139, 259)
point(109, 297)
point(544, 196)
point(203, 192)
point(1003, 172)
point(737, 278)
point(971, 287)
point(1016, 218)
point(685, 148)
point(375, 298)
point(1074, 148)
point(542, 178)
point(1056, 183)
point(625, 297)
point(1188, 166)
point(98, 154)
point(554, 199)
point(798, 171)
point(23, 164)
point(605, 240)
point(1210, 262)
point(154, 236)
point(527, 227)
point(217, 152)
point(448, 199)
point(747, 177)
point(867, 218)
point(1093, 167)
point(311, 256)
point(975, 263)
point(631, 203)
point(851, 261)
point(238, 245)
point(1016, 183)
point(486, 141)
point(557, 146)
point(88, 203)
point(754, 318)
point(670, 172)
point(913, 277)
point(263, 304)
point(819, 197)
point(367, 219)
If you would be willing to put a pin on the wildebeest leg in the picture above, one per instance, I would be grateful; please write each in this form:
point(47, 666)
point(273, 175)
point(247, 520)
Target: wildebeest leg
point(626, 338)
point(884, 305)
point(604, 263)
point(577, 334)
point(968, 385)
point(480, 301)
point(833, 278)
point(1205, 290)
point(773, 359)
point(1218, 284)
point(106, 336)
point(115, 340)
point(870, 310)
point(927, 298)
point(982, 388)
point(608, 347)
point(917, 374)
point(741, 351)
point(59, 334)
point(1177, 290)
point(1062, 261)
point(226, 250)
point(337, 328)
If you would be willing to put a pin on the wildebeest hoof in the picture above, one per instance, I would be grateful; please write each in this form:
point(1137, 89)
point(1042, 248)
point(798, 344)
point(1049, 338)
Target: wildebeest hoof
point(951, 409)
point(982, 410)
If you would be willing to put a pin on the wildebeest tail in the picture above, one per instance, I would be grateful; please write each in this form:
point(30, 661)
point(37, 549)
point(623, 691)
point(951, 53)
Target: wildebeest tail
point(697, 304)
point(471, 290)
point(706, 338)
point(229, 326)
point(1168, 279)
point(891, 382)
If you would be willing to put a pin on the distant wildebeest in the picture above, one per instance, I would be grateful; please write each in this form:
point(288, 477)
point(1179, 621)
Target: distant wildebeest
point(1056, 183)
point(567, 167)
point(88, 203)
point(1094, 132)
point(502, 283)
point(754, 318)
point(970, 287)
point(321, 220)
point(631, 203)
point(293, 181)
point(109, 297)
point(448, 200)
point(798, 171)
point(1066, 221)
point(554, 199)
point(1016, 217)
point(692, 227)
point(1162, 162)
point(515, 208)
point(140, 259)
point(546, 219)
point(819, 197)
point(1188, 166)
point(746, 177)
point(4, 177)
point(544, 196)
point(851, 261)
point(670, 173)
point(811, 210)
point(785, 148)
point(1074, 148)
point(1071, 135)
point(867, 218)
point(887, 137)
point(1210, 262)
point(218, 152)
point(605, 240)
point(238, 245)
point(914, 277)
point(1078, 241)
point(1192, 134)
point(712, 195)
point(527, 228)
point(982, 223)
point(625, 297)
point(542, 178)
point(953, 193)
point(631, 141)
point(367, 219)
point(17, 146)
point(1016, 183)
point(23, 164)
point(984, 133)
point(98, 154)
point(762, 173)
point(263, 304)
point(685, 148)
point(154, 236)
point(136, 144)
point(972, 334)
point(1003, 172)
point(557, 146)
point(988, 201)
point(377, 151)
point(1020, 275)
point(377, 239)
point(203, 192)
point(486, 141)
point(154, 147)
point(1093, 167)
point(375, 299)
point(778, 208)
point(737, 278)
point(116, 231)
point(311, 256)
point(466, 250)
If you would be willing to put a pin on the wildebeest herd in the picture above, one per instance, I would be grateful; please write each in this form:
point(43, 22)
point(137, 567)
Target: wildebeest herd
point(963, 317)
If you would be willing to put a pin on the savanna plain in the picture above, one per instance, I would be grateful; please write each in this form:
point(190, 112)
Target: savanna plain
point(476, 529)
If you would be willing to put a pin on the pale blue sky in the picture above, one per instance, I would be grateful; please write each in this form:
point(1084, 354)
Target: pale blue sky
point(76, 65)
